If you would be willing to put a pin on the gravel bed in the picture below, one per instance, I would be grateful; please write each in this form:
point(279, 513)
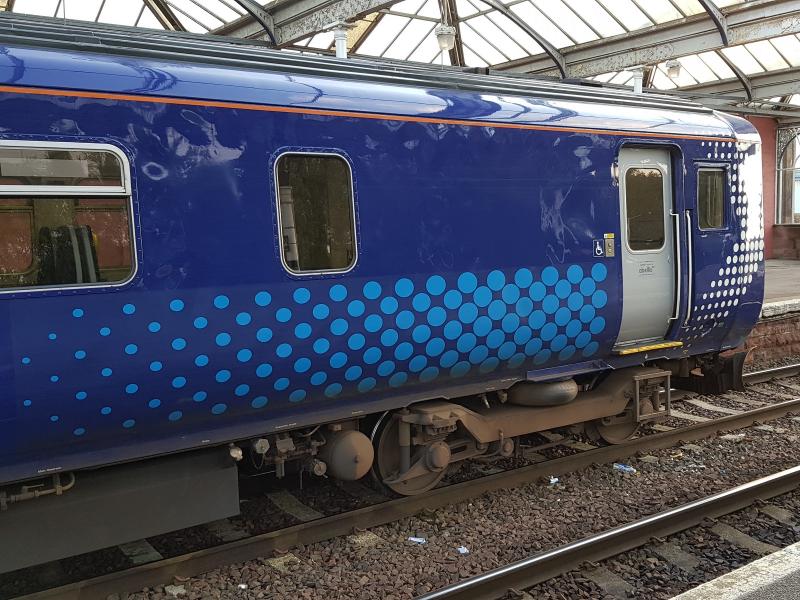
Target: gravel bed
point(503, 526)
point(758, 525)
point(784, 361)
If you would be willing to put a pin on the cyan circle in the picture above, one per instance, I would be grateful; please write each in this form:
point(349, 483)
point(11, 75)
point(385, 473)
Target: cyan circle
point(373, 323)
point(79, 431)
point(243, 318)
point(131, 388)
point(516, 360)
point(244, 355)
point(156, 366)
point(482, 296)
point(437, 316)
point(421, 334)
point(223, 339)
point(321, 311)
point(510, 323)
point(154, 327)
point(599, 299)
point(421, 302)
point(574, 328)
point(179, 344)
point(510, 293)
point(542, 357)
point(339, 327)
point(575, 301)
point(467, 282)
point(301, 295)
point(404, 287)
point(496, 280)
point(482, 326)
point(404, 319)
point(281, 384)
point(583, 338)
point(356, 341)
point(559, 343)
point(550, 304)
point(453, 299)
point(386, 368)
point(104, 331)
point(567, 353)
point(524, 307)
point(587, 313)
point(588, 286)
point(372, 290)
point(538, 291)
point(222, 375)
point(523, 278)
point(200, 323)
point(283, 315)
point(522, 335)
point(460, 369)
point(81, 396)
point(434, 347)
point(319, 378)
point(563, 288)
point(495, 339)
point(478, 354)
point(218, 409)
point(403, 351)
point(448, 359)
point(366, 384)
point(452, 330)
point(175, 415)
point(128, 423)
point(259, 402)
point(468, 312)
point(590, 349)
point(435, 285)
point(263, 370)
point(429, 374)
point(333, 390)
point(176, 305)
point(563, 315)
point(372, 355)
point(222, 301)
point(264, 334)
point(321, 346)
point(79, 355)
point(548, 332)
point(389, 305)
point(283, 350)
point(55, 378)
point(356, 308)
point(417, 363)
point(302, 331)
point(201, 360)
point(302, 365)
point(574, 273)
point(105, 372)
point(398, 379)
point(537, 319)
point(338, 293)
point(154, 403)
point(128, 309)
point(507, 350)
point(242, 390)
point(599, 272)
point(597, 325)
point(338, 360)
point(466, 343)
point(497, 309)
point(200, 396)
point(489, 365)
point(178, 382)
point(389, 337)
point(263, 298)
point(549, 276)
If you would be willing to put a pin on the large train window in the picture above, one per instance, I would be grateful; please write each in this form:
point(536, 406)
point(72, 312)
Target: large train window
point(316, 212)
point(710, 200)
point(65, 215)
point(644, 208)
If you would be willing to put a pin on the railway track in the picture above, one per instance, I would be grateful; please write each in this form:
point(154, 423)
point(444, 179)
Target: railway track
point(159, 571)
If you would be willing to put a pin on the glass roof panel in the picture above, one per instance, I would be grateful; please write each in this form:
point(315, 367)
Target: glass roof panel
point(627, 13)
point(689, 7)
point(515, 32)
point(409, 6)
point(148, 19)
point(659, 11)
point(724, 3)
point(622, 77)
point(766, 55)
point(488, 52)
point(430, 9)
point(697, 68)
point(531, 14)
point(322, 40)
point(795, 99)
point(566, 20)
point(428, 52)
point(789, 47)
point(409, 39)
point(505, 44)
point(46, 8)
point(592, 13)
point(716, 64)
point(122, 12)
point(661, 81)
point(466, 9)
point(605, 77)
point(194, 14)
point(383, 34)
point(473, 59)
point(739, 56)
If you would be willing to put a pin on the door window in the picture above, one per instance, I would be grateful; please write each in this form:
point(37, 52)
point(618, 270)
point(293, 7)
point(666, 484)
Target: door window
point(644, 208)
point(710, 207)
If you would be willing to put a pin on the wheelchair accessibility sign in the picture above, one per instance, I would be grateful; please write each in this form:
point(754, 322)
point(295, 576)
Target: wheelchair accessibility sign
point(604, 248)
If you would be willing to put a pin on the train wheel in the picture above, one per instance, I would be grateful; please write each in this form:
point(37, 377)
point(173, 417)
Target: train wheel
point(613, 434)
point(386, 467)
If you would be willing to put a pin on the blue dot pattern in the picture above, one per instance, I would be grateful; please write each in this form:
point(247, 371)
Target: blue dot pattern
point(155, 363)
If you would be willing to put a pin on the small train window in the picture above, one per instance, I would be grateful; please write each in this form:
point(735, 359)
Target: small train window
point(710, 198)
point(65, 216)
point(316, 213)
point(644, 208)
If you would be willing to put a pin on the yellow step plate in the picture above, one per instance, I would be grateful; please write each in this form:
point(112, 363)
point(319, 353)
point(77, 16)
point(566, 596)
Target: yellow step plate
point(648, 348)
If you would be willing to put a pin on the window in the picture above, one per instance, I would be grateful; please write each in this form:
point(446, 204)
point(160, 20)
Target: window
point(789, 176)
point(315, 198)
point(65, 216)
point(644, 208)
point(710, 200)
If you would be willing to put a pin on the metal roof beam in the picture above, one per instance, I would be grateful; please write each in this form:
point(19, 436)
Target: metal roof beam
point(748, 22)
point(784, 82)
point(293, 20)
point(718, 17)
point(163, 13)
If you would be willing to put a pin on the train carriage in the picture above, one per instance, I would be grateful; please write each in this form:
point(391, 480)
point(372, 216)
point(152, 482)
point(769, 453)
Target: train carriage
point(211, 251)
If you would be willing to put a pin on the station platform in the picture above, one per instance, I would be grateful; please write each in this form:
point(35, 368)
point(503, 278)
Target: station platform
point(782, 281)
point(773, 577)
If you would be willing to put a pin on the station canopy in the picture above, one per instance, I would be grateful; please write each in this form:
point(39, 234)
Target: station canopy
point(741, 55)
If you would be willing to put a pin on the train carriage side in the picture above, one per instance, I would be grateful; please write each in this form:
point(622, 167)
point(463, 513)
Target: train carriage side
point(182, 273)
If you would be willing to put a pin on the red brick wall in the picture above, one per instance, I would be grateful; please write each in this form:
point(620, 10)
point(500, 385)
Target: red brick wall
point(775, 242)
point(774, 339)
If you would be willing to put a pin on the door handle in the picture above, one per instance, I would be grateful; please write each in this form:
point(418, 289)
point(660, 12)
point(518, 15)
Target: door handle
point(689, 268)
point(676, 220)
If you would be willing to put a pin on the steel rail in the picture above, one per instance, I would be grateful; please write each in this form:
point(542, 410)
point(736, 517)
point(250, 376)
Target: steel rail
point(195, 563)
point(528, 572)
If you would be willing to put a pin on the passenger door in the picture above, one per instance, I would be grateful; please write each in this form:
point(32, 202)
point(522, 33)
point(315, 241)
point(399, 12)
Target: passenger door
point(647, 244)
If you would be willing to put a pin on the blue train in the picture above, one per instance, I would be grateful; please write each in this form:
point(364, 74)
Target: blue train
point(211, 252)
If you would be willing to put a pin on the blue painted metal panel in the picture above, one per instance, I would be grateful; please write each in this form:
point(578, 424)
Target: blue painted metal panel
point(475, 260)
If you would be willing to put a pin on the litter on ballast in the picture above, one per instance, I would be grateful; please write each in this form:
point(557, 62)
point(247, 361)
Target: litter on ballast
point(462, 550)
point(242, 586)
point(417, 540)
point(623, 468)
point(553, 481)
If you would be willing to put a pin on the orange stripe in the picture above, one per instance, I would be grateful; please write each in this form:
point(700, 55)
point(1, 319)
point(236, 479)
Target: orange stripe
point(337, 113)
